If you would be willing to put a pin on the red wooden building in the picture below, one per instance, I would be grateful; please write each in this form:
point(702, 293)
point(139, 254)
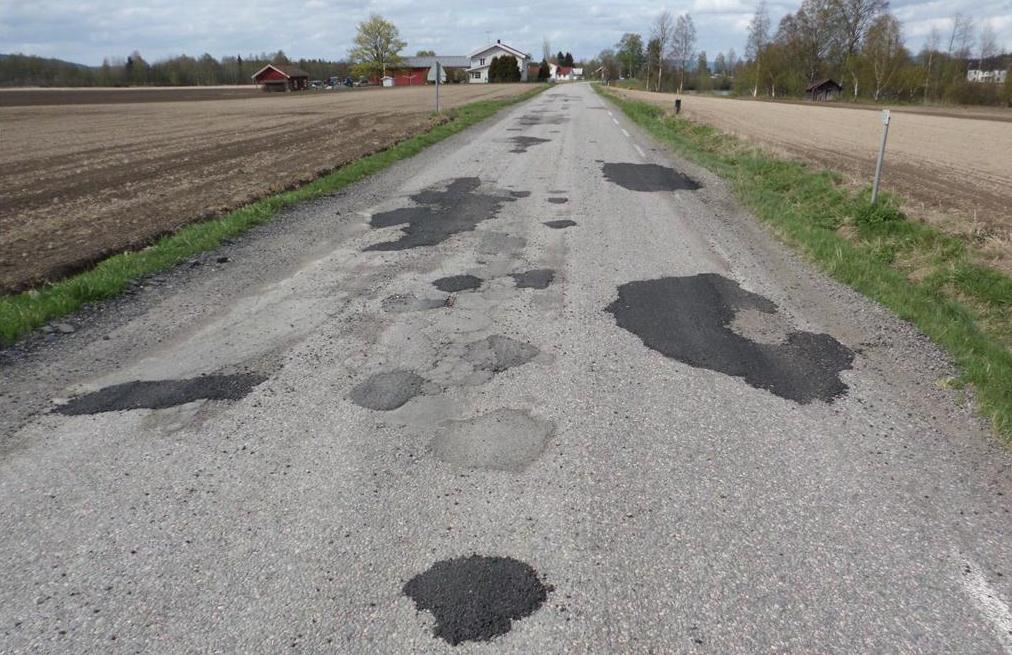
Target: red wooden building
point(281, 77)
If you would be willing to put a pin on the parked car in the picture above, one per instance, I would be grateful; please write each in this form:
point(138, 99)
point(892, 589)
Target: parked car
point(316, 84)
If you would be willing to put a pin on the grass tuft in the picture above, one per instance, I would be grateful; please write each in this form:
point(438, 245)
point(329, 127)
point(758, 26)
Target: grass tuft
point(929, 278)
point(23, 312)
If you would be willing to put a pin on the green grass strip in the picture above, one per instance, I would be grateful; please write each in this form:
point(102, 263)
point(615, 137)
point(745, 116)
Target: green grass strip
point(23, 312)
point(963, 306)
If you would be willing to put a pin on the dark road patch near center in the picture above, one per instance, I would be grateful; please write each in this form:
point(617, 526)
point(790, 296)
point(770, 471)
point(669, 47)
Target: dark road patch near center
point(690, 319)
point(648, 177)
point(455, 283)
point(558, 201)
point(560, 224)
point(477, 598)
point(162, 394)
point(522, 143)
point(439, 214)
point(386, 391)
point(538, 278)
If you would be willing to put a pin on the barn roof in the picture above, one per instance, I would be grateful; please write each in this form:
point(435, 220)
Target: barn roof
point(824, 84)
point(288, 70)
point(447, 61)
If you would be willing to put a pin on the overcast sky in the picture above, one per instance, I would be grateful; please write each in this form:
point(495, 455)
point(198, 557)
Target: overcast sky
point(85, 31)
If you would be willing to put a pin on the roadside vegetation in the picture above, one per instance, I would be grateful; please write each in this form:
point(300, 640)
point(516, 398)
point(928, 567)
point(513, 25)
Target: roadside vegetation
point(936, 281)
point(23, 312)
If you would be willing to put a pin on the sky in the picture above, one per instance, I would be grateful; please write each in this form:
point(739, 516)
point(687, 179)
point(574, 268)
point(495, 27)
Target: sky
point(86, 31)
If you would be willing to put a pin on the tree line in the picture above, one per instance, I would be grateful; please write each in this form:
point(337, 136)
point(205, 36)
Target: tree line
point(134, 70)
point(857, 43)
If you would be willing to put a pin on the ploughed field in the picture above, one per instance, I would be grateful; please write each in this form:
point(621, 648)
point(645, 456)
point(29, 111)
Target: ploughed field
point(82, 180)
point(946, 162)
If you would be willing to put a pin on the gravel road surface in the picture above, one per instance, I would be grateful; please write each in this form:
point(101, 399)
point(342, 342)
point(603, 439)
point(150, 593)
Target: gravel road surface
point(542, 389)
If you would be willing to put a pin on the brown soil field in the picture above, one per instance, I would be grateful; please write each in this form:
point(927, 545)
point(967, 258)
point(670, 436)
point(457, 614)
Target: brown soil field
point(83, 181)
point(953, 166)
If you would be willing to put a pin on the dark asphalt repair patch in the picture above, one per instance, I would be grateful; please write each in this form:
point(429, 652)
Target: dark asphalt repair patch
point(477, 598)
point(558, 201)
point(538, 278)
point(161, 394)
point(439, 214)
point(560, 224)
point(542, 119)
point(648, 177)
point(522, 143)
point(689, 319)
point(520, 194)
point(386, 391)
point(455, 283)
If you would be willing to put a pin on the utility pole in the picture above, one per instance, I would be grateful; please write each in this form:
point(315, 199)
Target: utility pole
point(439, 74)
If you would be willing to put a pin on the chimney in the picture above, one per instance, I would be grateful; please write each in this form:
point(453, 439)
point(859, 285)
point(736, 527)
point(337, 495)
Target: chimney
point(498, 40)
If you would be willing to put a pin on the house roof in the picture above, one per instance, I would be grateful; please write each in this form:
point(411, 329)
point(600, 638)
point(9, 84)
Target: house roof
point(565, 70)
point(823, 83)
point(499, 44)
point(288, 70)
point(447, 61)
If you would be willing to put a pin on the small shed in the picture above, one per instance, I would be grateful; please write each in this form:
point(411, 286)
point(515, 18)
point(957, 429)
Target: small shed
point(826, 89)
point(387, 80)
point(281, 77)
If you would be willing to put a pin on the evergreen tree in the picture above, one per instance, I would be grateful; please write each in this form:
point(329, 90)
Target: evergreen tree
point(568, 60)
point(543, 71)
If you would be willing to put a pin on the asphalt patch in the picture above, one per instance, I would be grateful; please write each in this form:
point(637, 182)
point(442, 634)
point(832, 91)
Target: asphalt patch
point(386, 391)
point(560, 224)
point(477, 598)
point(538, 278)
point(498, 353)
point(542, 119)
point(690, 319)
point(520, 194)
point(558, 201)
point(161, 394)
point(648, 177)
point(503, 440)
point(439, 214)
point(455, 283)
point(522, 143)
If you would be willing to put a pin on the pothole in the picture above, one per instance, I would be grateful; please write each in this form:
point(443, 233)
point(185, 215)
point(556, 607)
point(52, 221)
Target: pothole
point(691, 319)
point(386, 391)
point(439, 214)
point(560, 224)
point(400, 303)
point(498, 353)
point(648, 177)
point(538, 278)
point(455, 283)
point(522, 143)
point(503, 440)
point(160, 394)
point(477, 598)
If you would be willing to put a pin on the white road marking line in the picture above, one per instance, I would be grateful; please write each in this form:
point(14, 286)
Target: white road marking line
point(988, 603)
point(611, 114)
point(614, 121)
point(640, 150)
point(624, 132)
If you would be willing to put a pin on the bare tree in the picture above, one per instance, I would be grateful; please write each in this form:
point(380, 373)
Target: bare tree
point(883, 48)
point(683, 46)
point(662, 32)
point(988, 43)
point(546, 49)
point(931, 47)
point(758, 37)
point(961, 38)
point(853, 18)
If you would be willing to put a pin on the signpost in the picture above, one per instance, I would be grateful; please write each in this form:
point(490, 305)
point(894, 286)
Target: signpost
point(881, 155)
point(439, 74)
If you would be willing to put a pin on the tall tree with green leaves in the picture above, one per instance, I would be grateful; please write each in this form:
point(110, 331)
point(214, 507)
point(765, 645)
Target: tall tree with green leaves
point(377, 47)
point(630, 51)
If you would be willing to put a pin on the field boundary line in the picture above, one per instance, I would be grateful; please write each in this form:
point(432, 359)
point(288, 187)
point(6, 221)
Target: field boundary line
point(23, 312)
point(933, 280)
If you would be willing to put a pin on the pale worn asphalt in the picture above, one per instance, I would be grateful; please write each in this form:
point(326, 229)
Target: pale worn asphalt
point(667, 508)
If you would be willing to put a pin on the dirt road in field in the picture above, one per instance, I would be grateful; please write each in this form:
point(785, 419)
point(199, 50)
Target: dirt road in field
point(80, 182)
point(943, 164)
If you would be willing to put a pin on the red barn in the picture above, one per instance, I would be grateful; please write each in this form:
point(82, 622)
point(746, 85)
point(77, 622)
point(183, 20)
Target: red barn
point(281, 77)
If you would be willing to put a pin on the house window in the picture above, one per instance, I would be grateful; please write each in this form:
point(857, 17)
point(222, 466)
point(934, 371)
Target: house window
point(475, 76)
point(481, 62)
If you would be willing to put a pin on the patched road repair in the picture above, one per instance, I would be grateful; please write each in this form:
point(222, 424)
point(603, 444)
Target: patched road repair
point(543, 388)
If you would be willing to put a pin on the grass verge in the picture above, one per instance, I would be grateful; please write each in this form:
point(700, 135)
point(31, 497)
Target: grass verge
point(23, 312)
point(936, 281)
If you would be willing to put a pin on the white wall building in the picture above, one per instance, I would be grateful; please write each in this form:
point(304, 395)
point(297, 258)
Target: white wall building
point(986, 77)
point(482, 59)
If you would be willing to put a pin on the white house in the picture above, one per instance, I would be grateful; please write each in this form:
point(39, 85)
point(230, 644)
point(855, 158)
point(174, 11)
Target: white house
point(986, 77)
point(482, 59)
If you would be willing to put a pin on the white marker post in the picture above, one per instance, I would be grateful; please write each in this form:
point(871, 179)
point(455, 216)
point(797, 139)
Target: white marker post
point(439, 73)
point(881, 155)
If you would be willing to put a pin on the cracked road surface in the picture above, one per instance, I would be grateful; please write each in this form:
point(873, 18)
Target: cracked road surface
point(417, 417)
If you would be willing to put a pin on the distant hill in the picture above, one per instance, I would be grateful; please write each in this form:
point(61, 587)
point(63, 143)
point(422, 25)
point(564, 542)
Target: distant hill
point(29, 70)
